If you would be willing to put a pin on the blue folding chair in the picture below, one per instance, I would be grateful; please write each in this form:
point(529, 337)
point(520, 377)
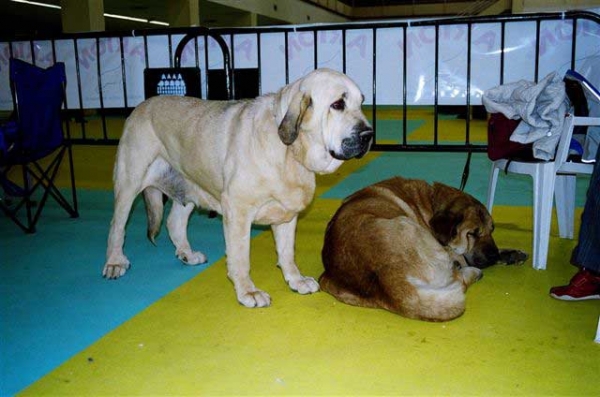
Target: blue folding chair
point(38, 145)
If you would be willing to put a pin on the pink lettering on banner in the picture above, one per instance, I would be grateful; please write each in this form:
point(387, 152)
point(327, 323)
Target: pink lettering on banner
point(137, 51)
point(188, 55)
point(564, 32)
point(188, 52)
point(246, 48)
point(551, 37)
point(426, 35)
point(417, 38)
point(44, 60)
point(4, 56)
point(43, 57)
point(360, 44)
point(305, 41)
point(109, 46)
point(411, 42)
point(20, 50)
point(456, 32)
point(589, 28)
point(487, 41)
point(88, 55)
point(102, 44)
point(330, 37)
point(133, 50)
point(547, 38)
point(294, 47)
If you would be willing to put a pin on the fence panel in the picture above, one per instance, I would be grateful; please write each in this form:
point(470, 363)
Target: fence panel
point(431, 69)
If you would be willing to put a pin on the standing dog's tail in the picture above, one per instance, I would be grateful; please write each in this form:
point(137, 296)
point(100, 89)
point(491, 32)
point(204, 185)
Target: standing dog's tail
point(154, 200)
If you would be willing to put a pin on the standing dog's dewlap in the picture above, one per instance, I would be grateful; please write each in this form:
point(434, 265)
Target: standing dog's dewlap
point(253, 161)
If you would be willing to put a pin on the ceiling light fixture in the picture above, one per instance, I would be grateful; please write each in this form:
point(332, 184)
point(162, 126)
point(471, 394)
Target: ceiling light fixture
point(115, 16)
point(36, 3)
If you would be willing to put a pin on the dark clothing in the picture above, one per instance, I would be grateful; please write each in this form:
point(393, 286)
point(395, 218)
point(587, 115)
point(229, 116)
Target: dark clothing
point(587, 252)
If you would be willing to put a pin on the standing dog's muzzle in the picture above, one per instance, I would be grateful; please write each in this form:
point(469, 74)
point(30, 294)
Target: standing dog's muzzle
point(356, 145)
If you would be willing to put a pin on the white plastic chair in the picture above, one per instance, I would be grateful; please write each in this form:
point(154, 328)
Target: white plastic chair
point(550, 178)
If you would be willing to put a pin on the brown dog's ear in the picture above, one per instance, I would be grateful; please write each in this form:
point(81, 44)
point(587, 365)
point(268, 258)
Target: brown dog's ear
point(290, 125)
point(444, 225)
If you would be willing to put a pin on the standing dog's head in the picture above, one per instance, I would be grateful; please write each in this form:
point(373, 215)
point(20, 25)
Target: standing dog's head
point(322, 120)
point(463, 224)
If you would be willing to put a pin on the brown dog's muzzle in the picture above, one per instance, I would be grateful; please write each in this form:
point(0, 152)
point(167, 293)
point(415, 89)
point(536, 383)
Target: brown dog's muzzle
point(484, 254)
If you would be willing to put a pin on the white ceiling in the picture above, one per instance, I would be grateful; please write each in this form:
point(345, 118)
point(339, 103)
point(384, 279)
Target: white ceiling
point(23, 20)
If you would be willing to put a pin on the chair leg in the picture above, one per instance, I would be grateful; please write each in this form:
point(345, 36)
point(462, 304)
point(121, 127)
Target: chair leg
point(542, 213)
point(25, 200)
point(46, 178)
point(564, 193)
point(75, 208)
point(40, 179)
point(28, 227)
point(492, 187)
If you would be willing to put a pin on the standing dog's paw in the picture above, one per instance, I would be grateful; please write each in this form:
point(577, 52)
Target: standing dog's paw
point(114, 271)
point(190, 257)
point(512, 257)
point(256, 298)
point(304, 285)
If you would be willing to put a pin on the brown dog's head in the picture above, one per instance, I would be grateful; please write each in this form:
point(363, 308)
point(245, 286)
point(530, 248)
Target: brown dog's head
point(463, 224)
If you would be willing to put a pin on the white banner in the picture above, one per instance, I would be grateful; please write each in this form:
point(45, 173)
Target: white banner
point(99, 66)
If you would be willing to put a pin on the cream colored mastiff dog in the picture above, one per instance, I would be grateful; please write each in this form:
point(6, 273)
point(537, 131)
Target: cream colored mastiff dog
point(252, 161)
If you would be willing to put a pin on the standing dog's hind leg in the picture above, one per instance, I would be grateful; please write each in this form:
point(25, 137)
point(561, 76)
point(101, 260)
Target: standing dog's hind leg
point(177, 223)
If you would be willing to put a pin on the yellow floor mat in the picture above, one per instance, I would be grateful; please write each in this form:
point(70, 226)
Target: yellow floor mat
point(512, 340)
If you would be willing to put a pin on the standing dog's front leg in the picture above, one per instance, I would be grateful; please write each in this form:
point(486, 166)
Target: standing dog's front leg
point(236, 226)
point(285, 238)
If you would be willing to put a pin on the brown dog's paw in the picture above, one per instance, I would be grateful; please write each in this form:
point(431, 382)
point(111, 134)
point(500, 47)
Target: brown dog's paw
point(512, 257)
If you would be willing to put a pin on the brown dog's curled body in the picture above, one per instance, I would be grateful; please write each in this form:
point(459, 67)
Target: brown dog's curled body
point(409, 247)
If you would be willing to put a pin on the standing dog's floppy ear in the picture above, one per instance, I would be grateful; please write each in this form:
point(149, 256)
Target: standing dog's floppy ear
point(444, 224)
point(290, 125)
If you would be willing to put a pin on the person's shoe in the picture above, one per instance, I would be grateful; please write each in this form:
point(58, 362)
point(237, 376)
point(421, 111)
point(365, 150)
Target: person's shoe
point(583, 286)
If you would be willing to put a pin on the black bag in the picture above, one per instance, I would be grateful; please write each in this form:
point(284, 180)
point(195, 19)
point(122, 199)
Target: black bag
point(578, 100)
point(500, 128)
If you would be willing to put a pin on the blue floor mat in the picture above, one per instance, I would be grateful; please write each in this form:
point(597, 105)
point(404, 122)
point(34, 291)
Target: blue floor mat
point(515, 190)
point(54, 305)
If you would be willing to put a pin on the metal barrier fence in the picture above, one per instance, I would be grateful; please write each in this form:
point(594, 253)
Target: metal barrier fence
point(431, 67)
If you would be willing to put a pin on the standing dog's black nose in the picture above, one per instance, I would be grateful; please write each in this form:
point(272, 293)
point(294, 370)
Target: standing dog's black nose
point(366, 136)
point(356, 145)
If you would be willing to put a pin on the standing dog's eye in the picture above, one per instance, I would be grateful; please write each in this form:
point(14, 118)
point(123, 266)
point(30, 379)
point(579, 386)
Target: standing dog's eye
point(339, 105)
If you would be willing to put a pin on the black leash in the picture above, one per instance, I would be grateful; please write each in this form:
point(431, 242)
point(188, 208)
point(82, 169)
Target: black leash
point(465, 174)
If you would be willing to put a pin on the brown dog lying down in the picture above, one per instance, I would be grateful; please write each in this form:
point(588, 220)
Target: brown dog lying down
point(409, 247)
